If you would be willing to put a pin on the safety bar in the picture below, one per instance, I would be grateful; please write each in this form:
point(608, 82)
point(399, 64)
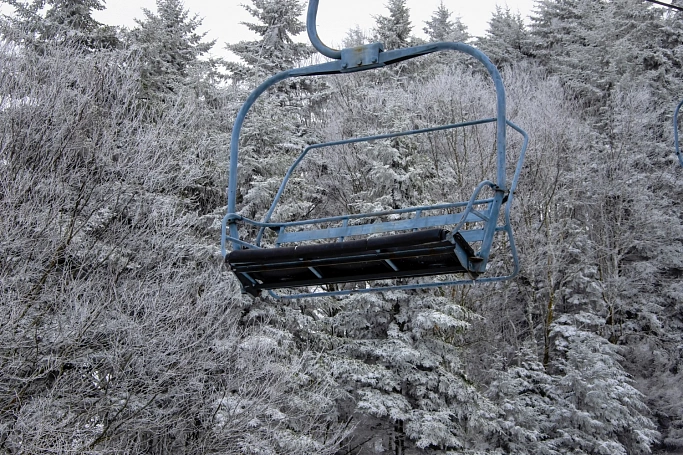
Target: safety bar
point(296, 163)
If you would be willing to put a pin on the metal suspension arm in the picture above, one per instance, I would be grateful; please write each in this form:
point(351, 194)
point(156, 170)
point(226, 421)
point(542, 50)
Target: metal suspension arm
point(313, 33)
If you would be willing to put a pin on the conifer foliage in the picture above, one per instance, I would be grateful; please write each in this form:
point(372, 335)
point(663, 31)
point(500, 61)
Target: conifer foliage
point(69, 22)
point(170, 48)
point(442, 28)
point(275, 50)
point(394, 30)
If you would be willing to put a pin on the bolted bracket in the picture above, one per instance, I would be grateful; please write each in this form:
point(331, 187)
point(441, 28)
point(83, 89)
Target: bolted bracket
point(361, 57)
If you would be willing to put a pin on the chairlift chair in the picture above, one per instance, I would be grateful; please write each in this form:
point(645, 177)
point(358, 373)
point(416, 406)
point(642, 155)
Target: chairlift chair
point(417, 247)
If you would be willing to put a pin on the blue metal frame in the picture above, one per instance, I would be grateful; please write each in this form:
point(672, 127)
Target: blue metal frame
point(482, 211)
point(676, 142)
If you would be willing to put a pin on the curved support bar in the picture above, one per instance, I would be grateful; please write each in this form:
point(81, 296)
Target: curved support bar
point(470, 203)
point(225, 237)
point(312, 30)
point(235, 138)
point(402, 54)
point(676, 143)
point(508, 205)
point(513, 248)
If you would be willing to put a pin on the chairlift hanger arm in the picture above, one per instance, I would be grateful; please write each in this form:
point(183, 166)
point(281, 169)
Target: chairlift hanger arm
point(312, 30)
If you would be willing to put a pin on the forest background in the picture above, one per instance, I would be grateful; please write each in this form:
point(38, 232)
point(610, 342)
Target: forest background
point(123, 332)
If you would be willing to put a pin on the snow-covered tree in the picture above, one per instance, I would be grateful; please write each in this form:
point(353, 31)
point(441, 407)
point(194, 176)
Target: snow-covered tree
point(528, 400)
point(399, 356)
point(394, 29)
point(441, 28)
point(275, 49)
point(507, 39)
point(279, 125)
point(604, 412)
point(121, 332)
point(68, 22)
point(170, 49)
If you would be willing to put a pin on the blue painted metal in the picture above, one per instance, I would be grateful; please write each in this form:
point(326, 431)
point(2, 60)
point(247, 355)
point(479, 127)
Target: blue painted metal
point(313, 32)
point(296, 163)
point(361, 58)
point(482, 211)
point(676, 142)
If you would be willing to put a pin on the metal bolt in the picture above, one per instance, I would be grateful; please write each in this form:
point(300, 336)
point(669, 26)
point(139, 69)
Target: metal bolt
point(360, 62)
point(345, 65)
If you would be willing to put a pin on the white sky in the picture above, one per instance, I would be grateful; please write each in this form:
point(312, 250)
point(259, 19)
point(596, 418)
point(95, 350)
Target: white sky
point(221, 18)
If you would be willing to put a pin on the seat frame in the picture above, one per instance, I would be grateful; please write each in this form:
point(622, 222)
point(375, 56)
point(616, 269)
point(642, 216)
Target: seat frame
point(283, 268)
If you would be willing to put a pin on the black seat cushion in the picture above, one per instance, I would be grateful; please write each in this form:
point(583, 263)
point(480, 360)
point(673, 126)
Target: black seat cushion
point(420, 253)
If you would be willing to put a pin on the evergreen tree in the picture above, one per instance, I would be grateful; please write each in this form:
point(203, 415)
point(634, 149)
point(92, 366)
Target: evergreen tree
point(584, 402)
point(441, 28)
point(507, 39)
point(568, 40)
point(604, 413)
point(394, 30)
point(610, 56)
point(278, 125)
point(67, 22)
point(398, 355)
point(278, 21)
point(571, 40)
point(170, 48)
point(528, 399)
point(556, 24)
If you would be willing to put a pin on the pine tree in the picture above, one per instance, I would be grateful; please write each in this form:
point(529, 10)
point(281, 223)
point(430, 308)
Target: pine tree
point(170, 48)
point(274, 50)
point(571, 40)
point(397, 353)
point(528, 398)
point(604, 412)
point(568, 40)
point(67, 22)
point(507, 39)
point(441, 28)
point(394, 30)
